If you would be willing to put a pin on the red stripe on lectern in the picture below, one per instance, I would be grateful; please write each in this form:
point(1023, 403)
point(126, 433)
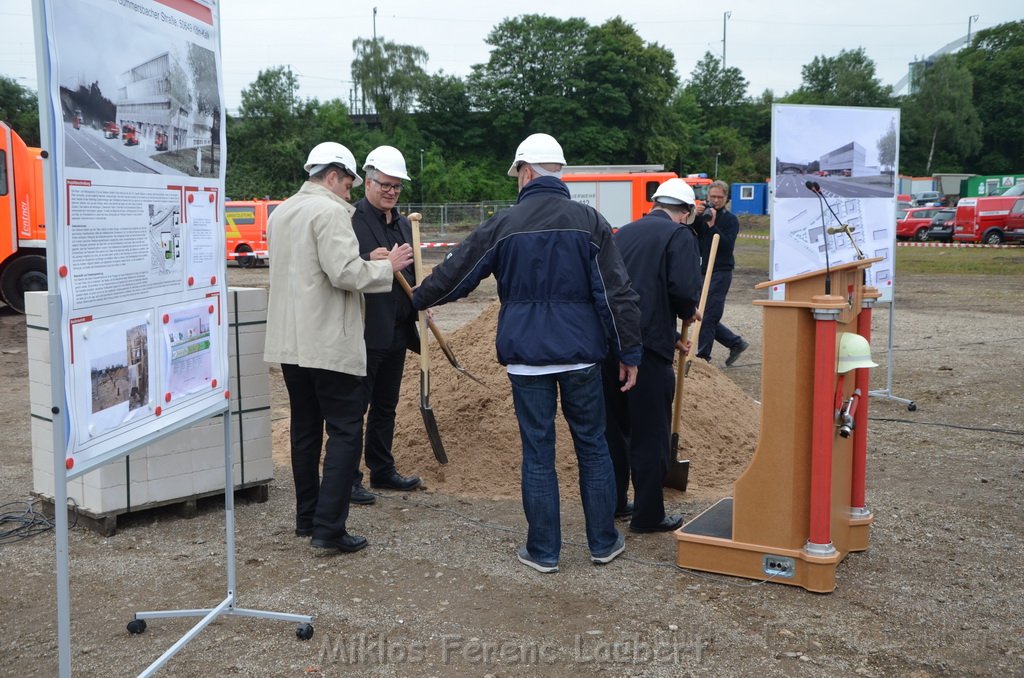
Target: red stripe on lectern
point(190, 7)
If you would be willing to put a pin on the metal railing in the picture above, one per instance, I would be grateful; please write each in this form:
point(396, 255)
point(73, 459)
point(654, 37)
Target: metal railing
point(454, 215)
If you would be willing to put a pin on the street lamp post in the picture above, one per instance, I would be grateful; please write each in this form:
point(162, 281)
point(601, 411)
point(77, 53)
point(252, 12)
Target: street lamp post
point(716, 165)
point(725, 17)
point(421, 177)
point(970, 20)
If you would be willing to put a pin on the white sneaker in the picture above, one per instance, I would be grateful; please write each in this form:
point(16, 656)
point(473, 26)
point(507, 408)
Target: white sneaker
point(620, 546)
point(526, 559)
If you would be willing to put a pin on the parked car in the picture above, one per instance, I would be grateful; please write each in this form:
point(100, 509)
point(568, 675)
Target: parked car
point(110, 130)
point(904, 205)
point(930, 198)
point(1015, 223)
point(941, 228)
point(913, 223)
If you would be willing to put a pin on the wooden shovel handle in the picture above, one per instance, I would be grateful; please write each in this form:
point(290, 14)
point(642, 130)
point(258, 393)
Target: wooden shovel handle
point(677, 401)
point(703, 298)
point(687, 358)
point(417, 259)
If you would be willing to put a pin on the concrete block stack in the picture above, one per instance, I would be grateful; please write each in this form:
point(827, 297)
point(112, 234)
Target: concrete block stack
point(182, 466)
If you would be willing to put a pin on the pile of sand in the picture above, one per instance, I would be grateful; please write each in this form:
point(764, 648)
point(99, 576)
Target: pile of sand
point(481, 436)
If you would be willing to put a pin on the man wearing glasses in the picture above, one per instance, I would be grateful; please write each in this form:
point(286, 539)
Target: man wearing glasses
point(316, 283)
point(390, 320)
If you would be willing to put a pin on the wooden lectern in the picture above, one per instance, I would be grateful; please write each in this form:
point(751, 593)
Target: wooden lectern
point(798, 508)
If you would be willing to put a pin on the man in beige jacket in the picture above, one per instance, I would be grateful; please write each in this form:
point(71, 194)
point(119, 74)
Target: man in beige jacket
point(315, 330)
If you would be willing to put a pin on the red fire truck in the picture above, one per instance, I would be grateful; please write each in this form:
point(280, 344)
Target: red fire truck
point(622, 193)
point(22, 219)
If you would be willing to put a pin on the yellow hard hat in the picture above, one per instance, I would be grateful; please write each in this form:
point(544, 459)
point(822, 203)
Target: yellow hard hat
point(854, 352)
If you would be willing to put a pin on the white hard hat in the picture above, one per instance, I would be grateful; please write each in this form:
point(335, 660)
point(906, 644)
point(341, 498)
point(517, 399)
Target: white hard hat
point(332, 153)
point(675, 192)
point(537, 148)
point(854, 352)
point(388, 160)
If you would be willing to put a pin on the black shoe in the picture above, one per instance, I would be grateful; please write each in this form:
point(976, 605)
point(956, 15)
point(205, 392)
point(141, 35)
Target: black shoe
point(667, 524)
point(626, 511)
point(350, 543)
point(360, 495)
point(735, 351)
point(395, 481)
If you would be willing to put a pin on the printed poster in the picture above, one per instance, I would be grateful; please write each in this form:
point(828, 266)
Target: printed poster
point(136, 122)
point(852, 156)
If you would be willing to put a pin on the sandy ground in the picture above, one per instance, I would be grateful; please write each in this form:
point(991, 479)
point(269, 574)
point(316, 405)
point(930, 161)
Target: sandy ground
point(438, 591)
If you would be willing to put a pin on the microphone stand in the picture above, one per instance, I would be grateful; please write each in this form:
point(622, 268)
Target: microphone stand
point(843, 228)
point(814, 188)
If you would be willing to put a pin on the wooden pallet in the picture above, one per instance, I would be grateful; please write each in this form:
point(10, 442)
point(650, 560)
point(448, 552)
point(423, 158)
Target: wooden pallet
point(105, 524)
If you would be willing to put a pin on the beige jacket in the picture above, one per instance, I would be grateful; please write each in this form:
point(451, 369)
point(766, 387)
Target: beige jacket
point(317, 280)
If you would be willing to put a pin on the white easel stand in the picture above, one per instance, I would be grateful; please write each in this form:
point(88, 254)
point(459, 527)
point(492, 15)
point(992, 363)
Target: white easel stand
point(304, 630)
point(886, 392)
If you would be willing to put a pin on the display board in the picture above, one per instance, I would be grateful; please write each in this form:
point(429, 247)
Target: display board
point(137, 249)
point(852, 155)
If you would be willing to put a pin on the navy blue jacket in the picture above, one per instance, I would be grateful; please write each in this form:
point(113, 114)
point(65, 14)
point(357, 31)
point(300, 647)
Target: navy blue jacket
point(663, 263)
point(565, 296)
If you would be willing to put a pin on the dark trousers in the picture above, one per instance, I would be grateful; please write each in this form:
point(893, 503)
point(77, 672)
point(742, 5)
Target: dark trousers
point(382, 384)
point(711, 327)
point(638, 430)
point(318, 398)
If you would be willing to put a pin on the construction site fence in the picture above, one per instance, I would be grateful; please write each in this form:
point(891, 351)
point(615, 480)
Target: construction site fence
point(454, 216)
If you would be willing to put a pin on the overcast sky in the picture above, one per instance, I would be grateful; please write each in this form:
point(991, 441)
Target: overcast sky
point(768, 41)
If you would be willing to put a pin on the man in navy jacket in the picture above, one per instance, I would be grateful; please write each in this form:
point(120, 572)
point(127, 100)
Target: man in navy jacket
point(661, 257)
point(565, 301)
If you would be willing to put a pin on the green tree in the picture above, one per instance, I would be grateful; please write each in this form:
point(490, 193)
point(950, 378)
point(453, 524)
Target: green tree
point(940, 117)
point(847, 79)
point(446, 116)
point(601, 91)
point(271, 136)
point(391, 74)
point(531, 79)
point(995, 58)
point(19, 109)
point(626, 85)
point(714, 87)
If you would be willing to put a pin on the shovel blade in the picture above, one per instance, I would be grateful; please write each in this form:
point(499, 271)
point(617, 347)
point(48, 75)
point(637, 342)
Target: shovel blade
point(429, 421)
point(678, 474)
point(678, 471)
point(433, 434)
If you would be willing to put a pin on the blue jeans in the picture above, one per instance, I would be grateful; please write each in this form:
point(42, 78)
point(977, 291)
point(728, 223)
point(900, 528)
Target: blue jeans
point(535, 400)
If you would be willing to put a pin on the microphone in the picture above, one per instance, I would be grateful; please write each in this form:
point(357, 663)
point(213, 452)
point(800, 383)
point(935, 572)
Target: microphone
point(812, 186)
point(838, 229)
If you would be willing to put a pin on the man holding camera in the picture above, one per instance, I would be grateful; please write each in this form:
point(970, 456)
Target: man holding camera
point(714, 217)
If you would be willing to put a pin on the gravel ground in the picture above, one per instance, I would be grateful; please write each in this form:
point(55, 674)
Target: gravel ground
point(439, 593)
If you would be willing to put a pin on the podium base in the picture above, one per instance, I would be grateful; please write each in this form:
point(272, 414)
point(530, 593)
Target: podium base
point(706, 544)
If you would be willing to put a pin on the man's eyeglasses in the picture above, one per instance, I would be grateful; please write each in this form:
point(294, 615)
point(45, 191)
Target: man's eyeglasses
point(389, 188)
